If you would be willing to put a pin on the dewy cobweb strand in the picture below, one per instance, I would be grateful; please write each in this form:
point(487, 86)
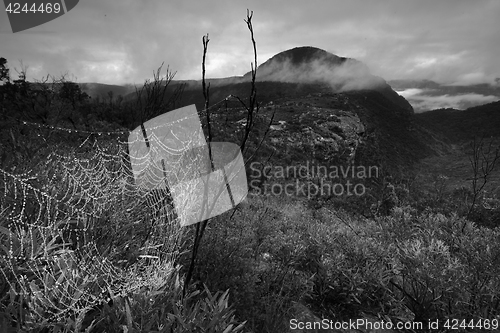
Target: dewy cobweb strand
point(58, 209)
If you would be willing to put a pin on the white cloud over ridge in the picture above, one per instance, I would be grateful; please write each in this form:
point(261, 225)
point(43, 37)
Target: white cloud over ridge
point(422, 102)
point(349, 75)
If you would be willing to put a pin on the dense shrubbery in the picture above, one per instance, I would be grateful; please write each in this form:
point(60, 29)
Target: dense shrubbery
point(277, 260)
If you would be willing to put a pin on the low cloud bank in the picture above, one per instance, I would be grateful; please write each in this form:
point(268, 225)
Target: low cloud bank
point(347, 75)
point(422, 101)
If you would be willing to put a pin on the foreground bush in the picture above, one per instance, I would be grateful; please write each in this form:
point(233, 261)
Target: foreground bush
point(277, 259)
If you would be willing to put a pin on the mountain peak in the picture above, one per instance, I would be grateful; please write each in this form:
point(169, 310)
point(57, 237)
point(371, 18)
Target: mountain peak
point(312, 65)
point(304, 54)
point(307, 64)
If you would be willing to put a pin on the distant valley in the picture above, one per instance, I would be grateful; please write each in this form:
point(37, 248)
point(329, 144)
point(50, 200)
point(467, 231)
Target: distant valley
point(426, 95)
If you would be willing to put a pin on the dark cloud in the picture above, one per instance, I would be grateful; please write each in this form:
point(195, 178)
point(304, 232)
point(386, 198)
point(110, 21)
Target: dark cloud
point(449, 41)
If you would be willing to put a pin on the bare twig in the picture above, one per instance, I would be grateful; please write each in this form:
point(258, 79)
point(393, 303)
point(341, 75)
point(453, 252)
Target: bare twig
point(206, 91)
point(483, 160)
point(253, 92)
point(200, 227)
point(251, 109)
point(153, 95)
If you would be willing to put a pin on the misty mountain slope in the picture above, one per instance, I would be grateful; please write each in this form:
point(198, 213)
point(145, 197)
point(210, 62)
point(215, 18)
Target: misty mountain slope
point(313, 65)
point(298, 71)
point(100, 90)
point(304, 81)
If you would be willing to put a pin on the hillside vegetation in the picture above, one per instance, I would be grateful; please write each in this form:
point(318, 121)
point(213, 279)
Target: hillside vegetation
point(460, 126)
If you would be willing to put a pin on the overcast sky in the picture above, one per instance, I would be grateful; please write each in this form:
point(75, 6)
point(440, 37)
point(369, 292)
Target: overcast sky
point(116, 42)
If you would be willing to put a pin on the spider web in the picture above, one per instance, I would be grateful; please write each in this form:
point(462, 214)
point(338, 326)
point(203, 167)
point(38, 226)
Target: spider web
point(77, 228)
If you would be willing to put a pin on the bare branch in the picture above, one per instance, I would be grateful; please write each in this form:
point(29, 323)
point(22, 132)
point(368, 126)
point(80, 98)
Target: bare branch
point(253, 93)
point(483, 160)
point(206, 91)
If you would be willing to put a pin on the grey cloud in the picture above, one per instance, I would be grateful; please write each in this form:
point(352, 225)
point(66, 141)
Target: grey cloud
point(389, 36)
point(422, 101)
